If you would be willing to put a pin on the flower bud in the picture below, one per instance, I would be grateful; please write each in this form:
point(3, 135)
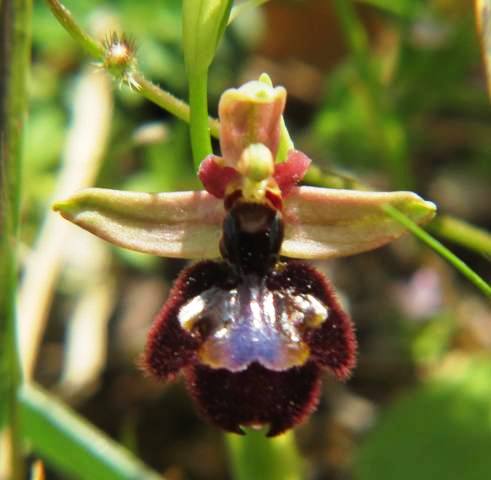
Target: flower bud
point(119, 55)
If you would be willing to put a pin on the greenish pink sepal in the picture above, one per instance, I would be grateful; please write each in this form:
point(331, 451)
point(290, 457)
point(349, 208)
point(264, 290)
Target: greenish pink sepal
point(177, 224)
point(325, 223)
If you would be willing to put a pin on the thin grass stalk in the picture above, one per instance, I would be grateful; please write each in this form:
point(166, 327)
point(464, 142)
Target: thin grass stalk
point(15, 44)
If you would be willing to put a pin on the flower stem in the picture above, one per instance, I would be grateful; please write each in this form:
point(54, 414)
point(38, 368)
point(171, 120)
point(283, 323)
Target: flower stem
point(462, 233)
point(425, 237)
point(64, 16)
point(198, 101)
point(15, 41)
point(144, 87)
point(256, 456)
point(331, 179)
point(169, 102)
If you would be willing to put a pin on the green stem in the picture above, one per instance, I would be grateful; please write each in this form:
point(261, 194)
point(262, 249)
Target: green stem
point(15, 41)
point(66, 19)
point(425, 237)
point(330, 179)
point(198, 101)
point(462, 233)
point(147, 89)
point(256, 456)
point(169, 102)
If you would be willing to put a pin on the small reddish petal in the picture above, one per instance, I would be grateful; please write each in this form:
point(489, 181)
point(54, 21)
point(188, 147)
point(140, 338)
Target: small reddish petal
point(287, 174)
point(169, 347)
point(214, 176)
point(255, 396)
point(333, 343)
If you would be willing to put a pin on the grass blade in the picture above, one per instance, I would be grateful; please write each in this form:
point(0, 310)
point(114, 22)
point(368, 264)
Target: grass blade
point(15, 42)
point(439, 248)
point(67, 441)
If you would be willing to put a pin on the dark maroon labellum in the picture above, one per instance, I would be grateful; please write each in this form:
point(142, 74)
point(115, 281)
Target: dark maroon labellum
point(252, 332)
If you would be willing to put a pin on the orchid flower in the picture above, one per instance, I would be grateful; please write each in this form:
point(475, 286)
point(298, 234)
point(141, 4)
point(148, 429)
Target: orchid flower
point(251, 329)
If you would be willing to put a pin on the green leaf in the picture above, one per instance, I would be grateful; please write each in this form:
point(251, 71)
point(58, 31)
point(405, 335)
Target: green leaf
point(441, 431)
point(70, 443)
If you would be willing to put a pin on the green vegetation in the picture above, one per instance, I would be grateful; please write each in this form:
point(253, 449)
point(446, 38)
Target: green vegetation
point(382, 95)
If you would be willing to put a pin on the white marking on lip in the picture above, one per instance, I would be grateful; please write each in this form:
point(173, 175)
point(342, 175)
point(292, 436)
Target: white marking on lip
point(251, 323)
point(191, 311)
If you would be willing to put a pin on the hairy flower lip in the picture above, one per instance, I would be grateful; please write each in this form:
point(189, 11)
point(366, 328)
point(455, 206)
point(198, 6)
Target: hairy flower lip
point(255, 394)
point(283, 399)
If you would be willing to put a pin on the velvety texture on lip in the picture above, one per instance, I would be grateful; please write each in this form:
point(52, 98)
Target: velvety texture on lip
point(252, 394)
point(256, 396)
point(333, 344)
point(169, 347)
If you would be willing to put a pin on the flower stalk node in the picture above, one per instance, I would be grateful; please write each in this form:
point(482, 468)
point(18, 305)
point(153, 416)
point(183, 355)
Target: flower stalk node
point(119, 58)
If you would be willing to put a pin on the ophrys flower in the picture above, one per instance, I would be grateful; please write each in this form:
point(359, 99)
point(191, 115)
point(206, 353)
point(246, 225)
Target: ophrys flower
point(252, 329)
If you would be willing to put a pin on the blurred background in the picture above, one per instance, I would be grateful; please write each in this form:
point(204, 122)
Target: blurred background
point(407, 110)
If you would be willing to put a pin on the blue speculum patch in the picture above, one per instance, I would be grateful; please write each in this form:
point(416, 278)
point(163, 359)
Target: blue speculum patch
point(251, 323)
